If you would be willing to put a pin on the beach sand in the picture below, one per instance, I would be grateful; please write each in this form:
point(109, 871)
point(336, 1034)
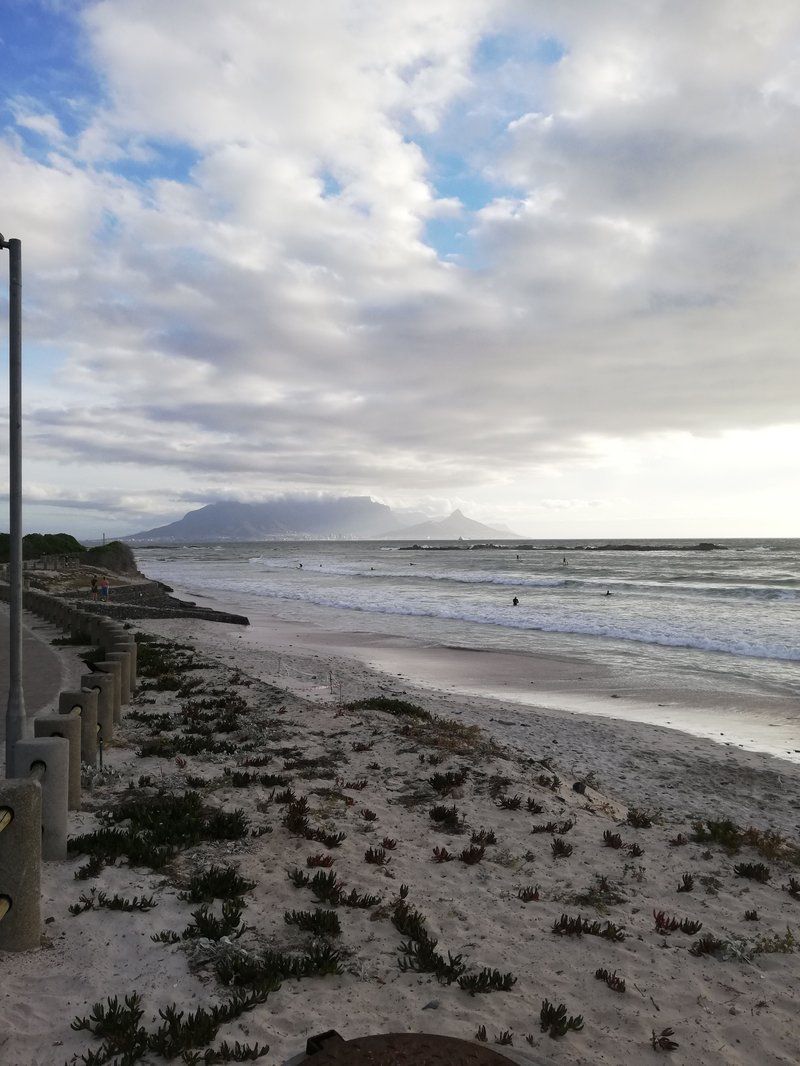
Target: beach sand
point(738, 1005)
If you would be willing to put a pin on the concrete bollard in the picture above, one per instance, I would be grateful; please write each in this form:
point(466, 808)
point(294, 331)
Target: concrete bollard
point(110, 634)
point(132, 647)
point(46, 608)
point(86, 702)
point(93, 628)
point(117, 643)
point(33, 601)
point(91, 625)
point(114, 669)
point(103, 685)
point(53, 754)
point(82, 622)
point(124, 660)
point(101, 631)
point(73, 623)
point(67, 726)
point(20, 865)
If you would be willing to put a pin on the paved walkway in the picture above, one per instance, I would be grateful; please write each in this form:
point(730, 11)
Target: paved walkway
point(41, 668)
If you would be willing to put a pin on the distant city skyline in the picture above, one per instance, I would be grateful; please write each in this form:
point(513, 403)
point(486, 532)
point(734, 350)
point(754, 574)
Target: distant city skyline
point(534, 260)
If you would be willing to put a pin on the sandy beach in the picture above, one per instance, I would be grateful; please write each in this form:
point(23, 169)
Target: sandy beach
point(551, 865)
point(646, 761)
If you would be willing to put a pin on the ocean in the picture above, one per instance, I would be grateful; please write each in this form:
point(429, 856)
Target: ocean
point(699, 616)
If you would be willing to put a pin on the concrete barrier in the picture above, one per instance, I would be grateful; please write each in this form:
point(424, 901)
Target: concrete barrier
point(82, 622)
point(111, 633)
point(79, 625)
point(123, 660)
point(134, 660)
point(51, 754)
point(94, 626)
point(86, 702)
point(20, 865)
point(115, 670)
point(103, 685)
point(133, 648)
point(67, 726)
point(121, 653)
point(58, 615)
point(54, 608)
point(42, 605)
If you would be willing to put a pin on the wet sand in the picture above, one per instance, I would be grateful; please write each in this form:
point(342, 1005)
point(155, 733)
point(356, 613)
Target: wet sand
point(760, 720)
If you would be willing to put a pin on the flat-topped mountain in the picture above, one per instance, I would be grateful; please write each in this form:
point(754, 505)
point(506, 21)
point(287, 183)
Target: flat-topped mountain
point(299, 518)
point(280, 518)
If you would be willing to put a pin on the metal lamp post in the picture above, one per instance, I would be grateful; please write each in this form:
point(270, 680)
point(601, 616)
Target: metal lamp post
point(15, 710)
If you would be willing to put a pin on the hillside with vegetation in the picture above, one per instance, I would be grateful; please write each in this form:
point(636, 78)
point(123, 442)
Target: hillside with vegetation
point(35, 545)
point(114, 556)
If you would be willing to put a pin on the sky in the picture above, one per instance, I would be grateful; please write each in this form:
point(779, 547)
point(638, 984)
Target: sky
point(535, 259)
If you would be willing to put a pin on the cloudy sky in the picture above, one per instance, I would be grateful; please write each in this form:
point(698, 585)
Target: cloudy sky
point(534, 258)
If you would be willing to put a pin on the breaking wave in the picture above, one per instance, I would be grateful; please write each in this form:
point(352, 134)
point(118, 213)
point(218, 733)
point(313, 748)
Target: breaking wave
point(668, 631)
point(670, 588)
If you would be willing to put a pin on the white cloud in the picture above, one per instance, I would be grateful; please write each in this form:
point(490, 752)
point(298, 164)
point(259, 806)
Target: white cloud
point(31, 118)
point(269, 313)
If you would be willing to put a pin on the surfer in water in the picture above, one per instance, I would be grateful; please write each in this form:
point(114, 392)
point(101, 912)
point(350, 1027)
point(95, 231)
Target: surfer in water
point(515, 602)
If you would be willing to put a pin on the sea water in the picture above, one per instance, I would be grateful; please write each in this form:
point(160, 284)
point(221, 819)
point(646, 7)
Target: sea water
point(695, 616)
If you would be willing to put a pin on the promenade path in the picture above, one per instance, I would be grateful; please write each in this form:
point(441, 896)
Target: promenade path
point(43, 669)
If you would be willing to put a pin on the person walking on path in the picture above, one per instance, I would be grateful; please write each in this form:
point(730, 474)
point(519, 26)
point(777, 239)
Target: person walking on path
point(93, 591)
point(104, 589)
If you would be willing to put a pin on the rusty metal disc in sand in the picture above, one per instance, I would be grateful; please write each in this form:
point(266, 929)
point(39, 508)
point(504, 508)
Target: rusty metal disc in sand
point(404, 1049)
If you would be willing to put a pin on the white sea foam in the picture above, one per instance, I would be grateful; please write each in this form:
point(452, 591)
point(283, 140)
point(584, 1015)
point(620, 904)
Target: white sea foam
point(647, 631)
point(672, 587)
point(741, 601)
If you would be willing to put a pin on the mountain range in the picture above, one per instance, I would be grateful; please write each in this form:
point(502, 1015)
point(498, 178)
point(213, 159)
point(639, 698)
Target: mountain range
point(290, 518)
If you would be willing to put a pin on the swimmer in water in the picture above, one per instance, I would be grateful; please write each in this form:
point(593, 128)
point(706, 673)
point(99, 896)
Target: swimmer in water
point(515, 602)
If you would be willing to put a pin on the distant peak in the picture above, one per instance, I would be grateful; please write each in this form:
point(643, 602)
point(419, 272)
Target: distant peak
point(457, 513)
